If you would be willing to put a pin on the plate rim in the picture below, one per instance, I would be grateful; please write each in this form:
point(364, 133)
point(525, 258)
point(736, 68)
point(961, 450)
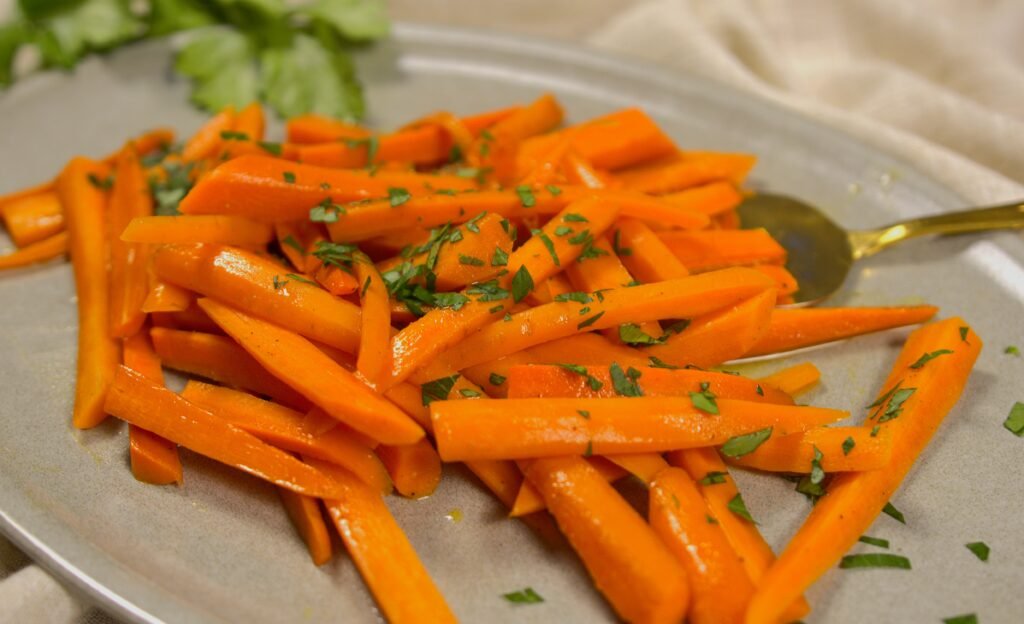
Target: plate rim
point(118, 603)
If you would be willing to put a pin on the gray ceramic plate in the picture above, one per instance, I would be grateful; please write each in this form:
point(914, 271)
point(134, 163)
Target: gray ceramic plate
point(220, 549)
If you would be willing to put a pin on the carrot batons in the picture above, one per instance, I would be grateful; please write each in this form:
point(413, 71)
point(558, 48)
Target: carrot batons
point(305, 514)
point(687, 170)
point(218, 229)
point(154, 459)
point(629, 565)
point(794, 379)
point(415, 469)
point(41, 251)
point(714, 249)
point(843, 449)
point(129, 282)
point(33, 218)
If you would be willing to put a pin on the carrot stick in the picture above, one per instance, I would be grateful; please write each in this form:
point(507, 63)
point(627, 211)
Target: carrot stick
point(414, 468)
point(17, 196)
point(84, 208)
point(190, 319)
point(442, 328)
point(720, 586)
point(207, 141)
point(337, 281)
point(844, 449)
point(141, 402)
point(497, 149)
point(218, 229)
point(720, 336)
point(248, 280)
point(794, 379)
point(620, 139)
point(629, 565)
point(649, 260)
point(854, 499)
point(33, 218)
point(643, 466)
point(297, 362)
point(250, 122)
point(374, 362)
point(165, 297)
point(685, 297)
point(540, 381)
point(308, 520)
point(154, 459)
point(41, 251)
point(529, 499)
point(784, 280)
point(712, 199)
point(687, 171)
point(526, 428)
point(376, 218)
point(295, 238)
point(286, 429)
point(221, 359)
point(714, 249)
point(804, 327)
point(312, 128)
point(271, 189)
point(717, 487)
point(129, 283)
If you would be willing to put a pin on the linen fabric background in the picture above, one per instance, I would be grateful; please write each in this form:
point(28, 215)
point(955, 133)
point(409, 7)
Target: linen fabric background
point(939, 84)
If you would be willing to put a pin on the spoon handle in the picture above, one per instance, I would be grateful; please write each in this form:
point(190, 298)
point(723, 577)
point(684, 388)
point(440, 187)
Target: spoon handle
point(1008, 216)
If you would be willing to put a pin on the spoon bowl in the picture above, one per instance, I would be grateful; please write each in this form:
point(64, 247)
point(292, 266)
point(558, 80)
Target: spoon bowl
point(820, 252)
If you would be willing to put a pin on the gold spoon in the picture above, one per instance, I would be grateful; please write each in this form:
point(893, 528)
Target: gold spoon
point(820, 252)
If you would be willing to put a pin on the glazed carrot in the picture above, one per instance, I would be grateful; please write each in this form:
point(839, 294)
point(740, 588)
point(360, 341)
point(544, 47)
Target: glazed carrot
point(854, 499)
point(272, 189)
point(382, 553)
point(441, 328)
point(374, 361)
point(154, 459)
point(376, 218)
point(527, 428)
point(141, 402)
point(250, 122)
point(649, 260)
point(207, 140)
point(629, 565)
point(296, 361)
point(415, 469)
point(686, 171)
point(248, 280)
point(720, 336)
point(720, 588)
point(529, 499)
point(84, 208)
point(804, 327)
point(497, 149)
point(621, 139)
point(685, 297)
point(218, 229)
point(286, 429)
point(41, 251)
point(312, 128)
point(33, 218)
point(643, 466)
point(794, 379)
point(712, 199)
point(540, 381)
point(17, 196)
point(308, 520)
point(296, 240)
point(475, 252)
point(336, 280)
point(165, 297)
point(221, 359)
point(784, 280)
point(843, 449)
point(191, 318)
point(717, 487)
point(129, 283)
point(713, 249)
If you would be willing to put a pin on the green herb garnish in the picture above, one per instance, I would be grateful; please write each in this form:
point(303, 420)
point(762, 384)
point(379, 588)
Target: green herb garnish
point(590, 321)
point(738, 507)
point(891, 511)
point(398, 196)
point(496, 379)
point(738, 446)
point(848, 445)
point(470, 260)
point(524, 596)
point(624, 382)
point(1014, 423)
point(874, 541)
point(526, 197)
point(522, 284)
point(927, 357)
point(713, 477)
point(631, 334)
point(658, 363)
point(980, 550)
point(438, 389)
point(547, 244)
point(875, 560)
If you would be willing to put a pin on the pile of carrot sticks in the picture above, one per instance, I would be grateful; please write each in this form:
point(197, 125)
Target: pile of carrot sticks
point(545, 303)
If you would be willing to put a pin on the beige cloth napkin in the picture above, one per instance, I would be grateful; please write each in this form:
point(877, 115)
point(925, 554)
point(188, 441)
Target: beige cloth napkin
point(939, 84)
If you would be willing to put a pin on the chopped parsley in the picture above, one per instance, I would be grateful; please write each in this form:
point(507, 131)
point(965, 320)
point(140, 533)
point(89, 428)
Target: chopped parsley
point(563, 230)
point(438, 389)
point(848, 445)
point(659, 363)
point(631, 334)
point(714, 477)
point(759, 390)
point(500, 257)
point(738, 446)
point(299, 278)
point(289, 177)
point(574, 217)
point(624, 382)
point(488, 291)
point(594, 383)
point(875, 560)
point(270, 147)
point(554, 190)
point(470, 260)
point(548, 244)
point(472, 226)
point(874, 541)
point(963, 333)
point(294, 244)
point(496, 379)
point(398, 196)
point(590, 321)
point(584, 413)
point(366, 287)
point(522, 284)
point(617, 247)
point(578, 297)
point(231, 135)
point(469, 393)
point(895, 406)
point(341, 255)
point(1014, 423)
point(1012, 350)
point(526, 197)
point(705, 399)
point(891, 511)
point(524, 596)
point(372, 145)
point(927, 357)
point(980, 550)
point(738, 507)
point(325, 212)
point(103, 184)
point(967, 618)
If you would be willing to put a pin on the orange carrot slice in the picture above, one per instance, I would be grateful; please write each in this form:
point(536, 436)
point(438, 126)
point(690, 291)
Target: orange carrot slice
point(33, 218)
point(154, 459)
point(374, 362)
point(794, 379)
point(305, 514)
point(41, 251)
point(714, 249)
point(686, 171)
point(843, 449)
point(129, 283)
point(415, 469)
point(218, 229)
